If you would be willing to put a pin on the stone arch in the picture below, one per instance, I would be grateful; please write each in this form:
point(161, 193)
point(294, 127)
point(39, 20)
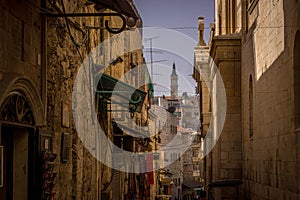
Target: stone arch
point(297, 80)
point(22, 86)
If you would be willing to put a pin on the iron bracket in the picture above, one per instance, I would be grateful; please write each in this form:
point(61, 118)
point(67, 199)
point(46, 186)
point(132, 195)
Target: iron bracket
point(106, 23)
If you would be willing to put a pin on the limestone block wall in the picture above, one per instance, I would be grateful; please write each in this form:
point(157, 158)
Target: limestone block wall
point(204, 83)
point(269, 96)
point(20, 34)
point(202, 76)
point(225, 161)
point(77, 177)
point(270, 167)
point(229, 16)
point(267, 19)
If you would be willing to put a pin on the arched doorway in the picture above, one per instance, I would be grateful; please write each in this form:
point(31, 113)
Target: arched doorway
point(18, 149)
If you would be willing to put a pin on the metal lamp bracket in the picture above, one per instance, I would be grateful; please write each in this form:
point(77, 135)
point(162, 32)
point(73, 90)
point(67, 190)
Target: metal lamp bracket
point(106, 23)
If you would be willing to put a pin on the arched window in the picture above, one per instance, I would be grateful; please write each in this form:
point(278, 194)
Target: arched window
point(297, 80)
point(250, 107)
point(17, 110)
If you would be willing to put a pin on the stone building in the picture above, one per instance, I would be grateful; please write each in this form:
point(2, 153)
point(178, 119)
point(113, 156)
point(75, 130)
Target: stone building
point(270, 100)
point(168, 116)
point(193, 157)
point(190, 171)
point(44, 43)
point(190, 112)
point(22, 99)
point(255, 46)
point(169, 173)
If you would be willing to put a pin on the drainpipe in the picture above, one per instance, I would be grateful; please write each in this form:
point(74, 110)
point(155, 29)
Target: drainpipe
point(44, 60)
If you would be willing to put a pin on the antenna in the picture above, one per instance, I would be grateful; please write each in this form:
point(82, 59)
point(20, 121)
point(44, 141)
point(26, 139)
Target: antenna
point(151, 51)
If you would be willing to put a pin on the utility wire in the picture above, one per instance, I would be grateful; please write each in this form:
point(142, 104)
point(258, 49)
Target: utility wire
point(45, 11)
point(194, 27)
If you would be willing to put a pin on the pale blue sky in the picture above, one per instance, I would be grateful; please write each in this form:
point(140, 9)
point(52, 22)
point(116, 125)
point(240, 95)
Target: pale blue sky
point(176, 15)
point(180, 14)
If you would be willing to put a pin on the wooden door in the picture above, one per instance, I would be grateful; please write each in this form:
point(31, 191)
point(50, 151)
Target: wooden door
point(20, 164)
point(15, 163)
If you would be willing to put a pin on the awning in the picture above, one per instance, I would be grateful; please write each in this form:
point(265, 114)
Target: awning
point(149, 83)
point(150, 89)
point(225, 183)
point(138, 132)
point(192, 184)
point(124, 7)
point(126, 96)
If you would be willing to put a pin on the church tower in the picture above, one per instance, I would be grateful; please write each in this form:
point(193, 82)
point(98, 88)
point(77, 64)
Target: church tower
point(174, 83)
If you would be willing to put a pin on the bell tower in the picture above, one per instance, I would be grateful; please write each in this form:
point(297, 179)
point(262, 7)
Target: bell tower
point(174, 83)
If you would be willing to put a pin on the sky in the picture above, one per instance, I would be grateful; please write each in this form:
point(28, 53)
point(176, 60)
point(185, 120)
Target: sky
point(180, 14)
point(178, 19)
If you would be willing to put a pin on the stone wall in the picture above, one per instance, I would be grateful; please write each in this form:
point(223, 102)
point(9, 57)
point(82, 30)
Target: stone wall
point(229, 16)
point(270, 155)
point(227, 153)
point(270, 141)
point(77, 177)
point(69, 43)
point(20, 34)
point(202, 76)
